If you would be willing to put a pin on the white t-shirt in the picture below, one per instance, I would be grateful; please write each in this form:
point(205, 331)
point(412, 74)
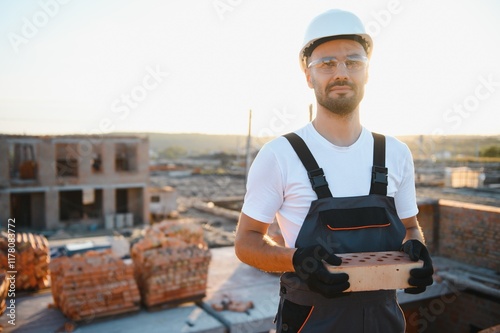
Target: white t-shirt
point(278, 185)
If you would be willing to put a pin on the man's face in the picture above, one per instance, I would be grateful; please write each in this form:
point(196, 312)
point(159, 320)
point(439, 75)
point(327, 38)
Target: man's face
point(341, 90)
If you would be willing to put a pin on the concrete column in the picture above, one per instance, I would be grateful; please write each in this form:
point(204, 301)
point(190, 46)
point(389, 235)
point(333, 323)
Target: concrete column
point(145, 206)
point(109, 201)
point(108, 158)
point(84, 148)
point(4, 164)
point(52, 210)
point(143, 158)
point(4, 209)
point(38, 210)
point(137, 204)
point(108, 207)
point(46, 160)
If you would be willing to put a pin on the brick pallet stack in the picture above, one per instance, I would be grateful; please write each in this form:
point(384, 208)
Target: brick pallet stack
point(171, 263)
point(4, 288)
point(31, 260)
point(93, 284)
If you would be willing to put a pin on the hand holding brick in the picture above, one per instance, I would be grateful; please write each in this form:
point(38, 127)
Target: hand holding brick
point(376, 270)
point(421, 277)
point(308, 265)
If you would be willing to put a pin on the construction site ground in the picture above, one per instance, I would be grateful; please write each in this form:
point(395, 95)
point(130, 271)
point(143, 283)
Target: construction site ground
point(228, 278)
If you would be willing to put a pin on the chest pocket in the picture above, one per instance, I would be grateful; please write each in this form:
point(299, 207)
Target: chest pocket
point(354, 218)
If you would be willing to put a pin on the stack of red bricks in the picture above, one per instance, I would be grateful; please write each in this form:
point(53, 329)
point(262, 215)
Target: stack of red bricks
point(93, 284)
point(29, 257)
point(171, 263)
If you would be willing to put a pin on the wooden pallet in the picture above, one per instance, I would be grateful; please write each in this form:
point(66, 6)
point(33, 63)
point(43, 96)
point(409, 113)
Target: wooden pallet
point(174, 303)
point(376, 270)
point(116, 313)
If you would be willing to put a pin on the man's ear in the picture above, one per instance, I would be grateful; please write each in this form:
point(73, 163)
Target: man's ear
point(307, 72)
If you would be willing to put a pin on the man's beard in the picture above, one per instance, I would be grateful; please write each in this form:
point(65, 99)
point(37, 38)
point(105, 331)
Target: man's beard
point(341, 105)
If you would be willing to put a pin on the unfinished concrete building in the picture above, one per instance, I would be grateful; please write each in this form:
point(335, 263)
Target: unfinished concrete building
point(51, 182)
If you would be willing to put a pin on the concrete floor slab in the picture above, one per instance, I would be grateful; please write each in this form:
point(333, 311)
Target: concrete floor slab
point(238, 281)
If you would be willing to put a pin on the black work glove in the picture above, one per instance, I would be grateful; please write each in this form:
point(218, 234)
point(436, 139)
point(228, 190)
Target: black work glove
point(308, 265)
point(419, 277)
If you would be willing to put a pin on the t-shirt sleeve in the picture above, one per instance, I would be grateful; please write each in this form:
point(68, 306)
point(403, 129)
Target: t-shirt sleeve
point(405, 197)
point(264, 195)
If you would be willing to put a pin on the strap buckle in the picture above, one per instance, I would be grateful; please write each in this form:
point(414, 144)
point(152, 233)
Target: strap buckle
point(379, 175)
point(317, 178)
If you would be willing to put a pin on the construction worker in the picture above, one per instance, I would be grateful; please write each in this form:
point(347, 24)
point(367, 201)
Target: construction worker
point(334, 187)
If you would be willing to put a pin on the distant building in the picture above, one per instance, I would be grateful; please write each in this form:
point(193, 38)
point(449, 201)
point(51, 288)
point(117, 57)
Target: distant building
point(163, 202)
point(51, 182)
point(463, 177)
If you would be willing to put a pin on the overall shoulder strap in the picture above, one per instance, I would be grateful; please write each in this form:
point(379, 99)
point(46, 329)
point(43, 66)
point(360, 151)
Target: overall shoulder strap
point(315, 173)
point(379, 171)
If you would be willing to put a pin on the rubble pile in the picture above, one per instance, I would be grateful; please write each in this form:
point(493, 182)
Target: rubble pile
point(93, 284)
point(227, 302)
point(171, 263)
point(204, 187)
point(29, 257)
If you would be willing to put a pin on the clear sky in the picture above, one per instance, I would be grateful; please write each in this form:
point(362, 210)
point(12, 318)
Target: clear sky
point(200, 66)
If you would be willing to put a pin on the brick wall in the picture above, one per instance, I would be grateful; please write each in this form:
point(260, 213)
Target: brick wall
point(464, 232)
point(459, 312)
point(469, 233)
point(427, 218)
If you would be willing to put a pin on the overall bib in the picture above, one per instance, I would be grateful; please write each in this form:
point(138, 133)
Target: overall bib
point(366, 223)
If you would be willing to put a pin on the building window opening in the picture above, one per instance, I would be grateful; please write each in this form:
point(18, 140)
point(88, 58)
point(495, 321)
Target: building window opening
point(80, 205)
point(28, 209)
point(23, 165)
point(67, 160)
point(125, 157)
point(20, 207)
point(121, 201)
point(92, 204)
point(96, 161)
point(70, 204)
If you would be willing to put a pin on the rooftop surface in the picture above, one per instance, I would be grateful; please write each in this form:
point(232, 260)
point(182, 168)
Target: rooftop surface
point(228, 277)
point(485, 196)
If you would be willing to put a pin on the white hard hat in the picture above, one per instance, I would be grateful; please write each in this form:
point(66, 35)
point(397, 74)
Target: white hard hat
point(334, 24)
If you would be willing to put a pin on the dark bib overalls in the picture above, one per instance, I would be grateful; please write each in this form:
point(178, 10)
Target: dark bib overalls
point(366, 223)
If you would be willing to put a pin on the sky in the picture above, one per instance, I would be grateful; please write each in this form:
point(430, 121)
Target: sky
point(96, 67)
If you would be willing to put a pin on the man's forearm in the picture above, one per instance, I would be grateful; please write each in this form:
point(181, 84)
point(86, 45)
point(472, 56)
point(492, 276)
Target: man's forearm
point(414, 233)
point(413, 230)
point(261, 252)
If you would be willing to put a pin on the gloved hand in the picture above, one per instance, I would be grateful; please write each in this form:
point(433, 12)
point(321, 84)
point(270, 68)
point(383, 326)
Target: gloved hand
point(419, 277)
point(308, 265)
